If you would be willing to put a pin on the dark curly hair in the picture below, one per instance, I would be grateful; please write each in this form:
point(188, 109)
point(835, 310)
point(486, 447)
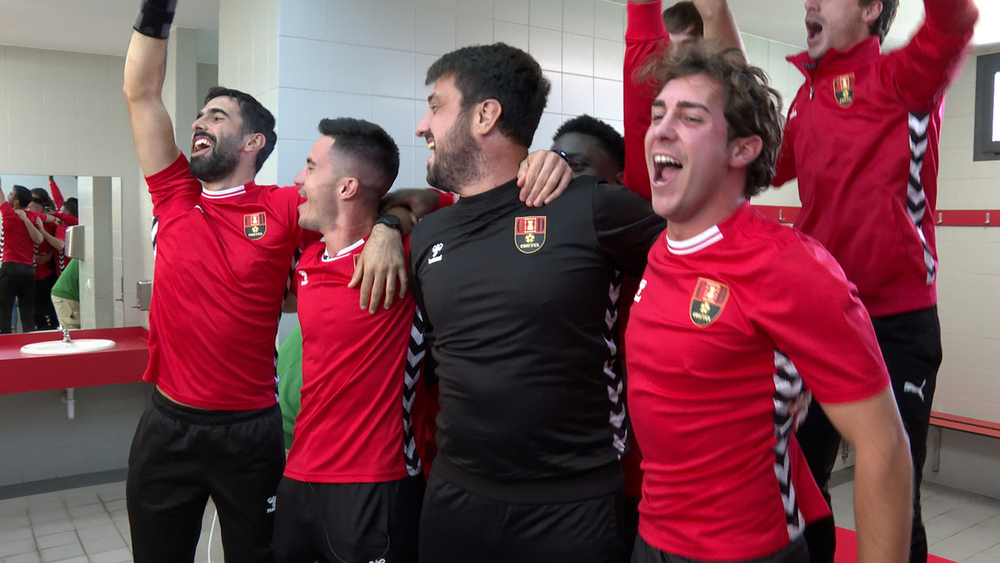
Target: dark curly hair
point(752, 107)
point(611, 140)
point(368, 144)
point(880, 27)
point(256, 118)
point(503, 73)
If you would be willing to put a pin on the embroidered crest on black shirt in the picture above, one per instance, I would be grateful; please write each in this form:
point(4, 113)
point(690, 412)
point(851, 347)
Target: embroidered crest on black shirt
point(255, 225)
point(843, 89)
point(529, 234)
point(707, 302)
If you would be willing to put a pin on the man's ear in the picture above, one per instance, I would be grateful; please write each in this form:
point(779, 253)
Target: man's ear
point(871, 12)
point(348, 187)
point(255, 142)
point(744, 150)
point(487, 116)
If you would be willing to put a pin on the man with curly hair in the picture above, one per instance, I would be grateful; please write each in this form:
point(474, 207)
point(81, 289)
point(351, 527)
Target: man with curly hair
point(752, 311)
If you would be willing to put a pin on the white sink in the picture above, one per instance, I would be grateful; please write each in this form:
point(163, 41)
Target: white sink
point(60, 348)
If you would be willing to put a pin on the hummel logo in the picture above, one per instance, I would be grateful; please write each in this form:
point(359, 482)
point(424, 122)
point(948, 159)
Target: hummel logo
point(271, 504)
point(436, 253)
point(638, 294)
point(911, 388)
point(305, 277)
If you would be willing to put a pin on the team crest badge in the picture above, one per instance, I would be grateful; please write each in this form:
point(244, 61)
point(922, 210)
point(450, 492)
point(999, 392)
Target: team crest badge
point(708, 301)
point(255, 225)
point(529, 234)
point(843, 89)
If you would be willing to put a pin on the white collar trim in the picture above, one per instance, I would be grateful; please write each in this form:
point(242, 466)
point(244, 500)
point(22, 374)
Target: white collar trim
point(695, 243)
point(219, 194)
point(343, 251)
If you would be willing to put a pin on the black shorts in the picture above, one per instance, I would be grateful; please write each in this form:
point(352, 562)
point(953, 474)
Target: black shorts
point(457, 526)
point(180, 457)
point(350, 522)
point(796, 552)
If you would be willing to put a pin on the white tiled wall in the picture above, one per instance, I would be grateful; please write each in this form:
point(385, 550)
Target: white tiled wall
point(369, 60)
point(969, 274)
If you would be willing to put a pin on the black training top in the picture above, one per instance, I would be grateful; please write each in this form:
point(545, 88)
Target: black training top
point(516, 301)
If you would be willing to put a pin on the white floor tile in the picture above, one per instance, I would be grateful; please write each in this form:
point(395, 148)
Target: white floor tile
point(17, 547)
point(15, 534)
point(62, 552)
point(56, 540)
point(122, 555)
point(32, 557)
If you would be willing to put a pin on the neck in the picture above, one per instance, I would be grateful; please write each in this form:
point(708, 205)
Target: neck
point(501, 165)
point(242, 176)
point(347, 229)
point(720, 208)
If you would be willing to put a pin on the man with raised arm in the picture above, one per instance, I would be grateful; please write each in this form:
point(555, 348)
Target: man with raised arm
point(532, 424)
point(224, 248)
point(862, 139)
point(648, 34)
point(735, 314)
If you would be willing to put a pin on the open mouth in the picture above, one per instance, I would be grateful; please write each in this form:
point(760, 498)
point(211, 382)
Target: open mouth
point(201, 143)
point(665, 167)
point(813, 29)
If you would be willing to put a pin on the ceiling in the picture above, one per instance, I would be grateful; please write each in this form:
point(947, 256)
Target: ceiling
point(103, 26)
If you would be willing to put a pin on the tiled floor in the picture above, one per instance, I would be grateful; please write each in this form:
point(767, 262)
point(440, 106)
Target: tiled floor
point(90, 524)
point(961, 526)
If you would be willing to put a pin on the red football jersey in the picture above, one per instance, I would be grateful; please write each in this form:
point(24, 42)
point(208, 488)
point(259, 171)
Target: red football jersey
point(353, 426)
point(223, 260)
point(14, 238)
point(726, 328)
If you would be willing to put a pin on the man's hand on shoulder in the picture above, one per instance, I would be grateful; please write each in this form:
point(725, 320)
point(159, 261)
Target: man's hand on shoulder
point(381, 269)
point(543, 176)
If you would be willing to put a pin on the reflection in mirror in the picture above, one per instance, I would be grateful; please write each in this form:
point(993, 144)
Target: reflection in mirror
point(79, 293)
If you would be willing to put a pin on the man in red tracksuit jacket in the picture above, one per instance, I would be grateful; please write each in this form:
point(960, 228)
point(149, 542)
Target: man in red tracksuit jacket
point(862, 139)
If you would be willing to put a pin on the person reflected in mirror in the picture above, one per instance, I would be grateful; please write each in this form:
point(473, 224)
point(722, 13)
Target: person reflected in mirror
point(45, 268)
point(17, 270)
point(66, 296)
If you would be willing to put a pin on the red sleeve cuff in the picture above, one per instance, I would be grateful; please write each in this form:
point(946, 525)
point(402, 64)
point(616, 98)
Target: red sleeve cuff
point(645, 22)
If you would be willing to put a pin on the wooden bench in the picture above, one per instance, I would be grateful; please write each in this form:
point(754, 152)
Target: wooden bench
point(962, 424)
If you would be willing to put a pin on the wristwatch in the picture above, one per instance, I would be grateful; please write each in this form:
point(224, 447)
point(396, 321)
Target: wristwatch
point(390, 221)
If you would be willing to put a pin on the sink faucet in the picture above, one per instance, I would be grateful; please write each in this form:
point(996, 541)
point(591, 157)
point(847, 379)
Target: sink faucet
point(65, 332)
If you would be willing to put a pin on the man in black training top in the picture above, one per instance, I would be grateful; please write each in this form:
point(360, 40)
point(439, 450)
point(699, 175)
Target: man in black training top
point(532, 422)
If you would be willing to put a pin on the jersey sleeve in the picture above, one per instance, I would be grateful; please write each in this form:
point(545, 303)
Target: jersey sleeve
point(920, 73)
point(814, 316)
point(174, 188)
point(57, 196)
point(645, 38)
point(66, 218)
point(784, 167)
point(625, 226)
point(444, 199)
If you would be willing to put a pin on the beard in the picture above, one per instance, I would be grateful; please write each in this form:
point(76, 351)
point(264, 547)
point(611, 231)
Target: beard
point(459, 164)
point(218, 163)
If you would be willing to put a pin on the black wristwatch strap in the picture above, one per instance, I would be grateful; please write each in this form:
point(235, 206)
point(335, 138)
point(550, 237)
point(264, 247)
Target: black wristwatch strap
point(390, 221)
